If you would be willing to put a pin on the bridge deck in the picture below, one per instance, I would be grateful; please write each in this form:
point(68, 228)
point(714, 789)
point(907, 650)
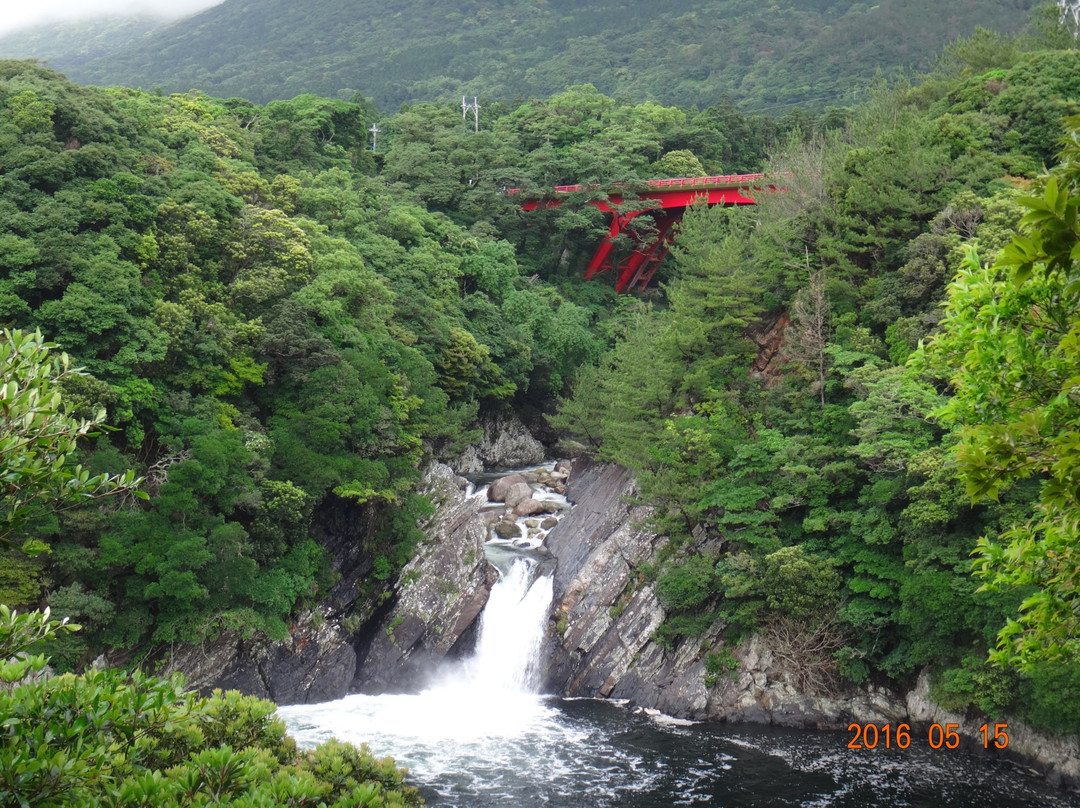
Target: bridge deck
point(681, 183)
point(670, 196)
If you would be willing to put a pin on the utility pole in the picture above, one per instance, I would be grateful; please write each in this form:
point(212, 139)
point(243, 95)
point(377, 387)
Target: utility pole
point(374, 135)
point(1069, 10)
point(475, 107)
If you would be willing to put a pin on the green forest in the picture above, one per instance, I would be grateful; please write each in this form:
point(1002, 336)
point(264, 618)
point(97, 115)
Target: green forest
point(225, 320)
point(767, 56)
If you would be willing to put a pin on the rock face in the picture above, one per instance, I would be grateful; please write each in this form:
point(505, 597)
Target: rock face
point(318, 661)
point(605, 613)
point(439, 594)
point(316, 664)
point(1056, 756)
point(442, 591)
point(506, 443)
point(768, 335)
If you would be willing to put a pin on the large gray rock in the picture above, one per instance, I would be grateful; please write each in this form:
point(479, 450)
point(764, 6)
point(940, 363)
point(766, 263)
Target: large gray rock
point(605, 615)
point(506, 444)
point(498, 490)
point(507, 529)
point(529, 507)
point(316, 664)
point(439, 595)
point(1058, 756)
point(597, 491)
point(518, 492)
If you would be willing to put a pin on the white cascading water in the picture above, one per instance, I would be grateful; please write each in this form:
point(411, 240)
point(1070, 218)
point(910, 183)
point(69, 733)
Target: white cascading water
point(481, 737)
point(491, 695)
point(507, 656)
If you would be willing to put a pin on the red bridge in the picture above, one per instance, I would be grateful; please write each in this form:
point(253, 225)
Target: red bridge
point(665, 200)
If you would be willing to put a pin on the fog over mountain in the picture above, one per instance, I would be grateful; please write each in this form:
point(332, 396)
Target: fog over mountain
point(686, 52)
point(26, 15)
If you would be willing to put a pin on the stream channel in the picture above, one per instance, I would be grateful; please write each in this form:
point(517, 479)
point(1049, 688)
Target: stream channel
point(481, 735)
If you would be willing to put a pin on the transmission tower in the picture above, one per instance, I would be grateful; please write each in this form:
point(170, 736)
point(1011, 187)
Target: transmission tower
point(475, 108)
point(374, 135)
point(1069, 12)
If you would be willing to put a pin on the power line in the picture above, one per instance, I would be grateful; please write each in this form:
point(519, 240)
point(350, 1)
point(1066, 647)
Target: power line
point(475, 107)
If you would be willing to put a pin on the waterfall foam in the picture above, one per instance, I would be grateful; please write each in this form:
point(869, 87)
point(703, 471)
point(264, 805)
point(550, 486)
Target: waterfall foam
point(491, 695)
point(507, 656)
point(481, 737)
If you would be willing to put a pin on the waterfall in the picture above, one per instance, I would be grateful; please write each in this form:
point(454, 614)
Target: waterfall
point(487, 699)
point(492, 694)
point(507, 656)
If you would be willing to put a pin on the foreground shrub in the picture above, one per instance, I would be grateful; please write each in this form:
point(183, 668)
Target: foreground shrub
point(108, 738)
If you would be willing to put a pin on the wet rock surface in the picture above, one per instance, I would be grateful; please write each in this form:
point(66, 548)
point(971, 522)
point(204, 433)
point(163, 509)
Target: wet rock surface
point(605, 614)
point(604, 617)
point(1057, 757)
point(506, 443)
point(316, 664)
point(439, 593)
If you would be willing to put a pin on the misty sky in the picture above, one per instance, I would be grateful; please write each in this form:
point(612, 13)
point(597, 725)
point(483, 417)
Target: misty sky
point(15, 14)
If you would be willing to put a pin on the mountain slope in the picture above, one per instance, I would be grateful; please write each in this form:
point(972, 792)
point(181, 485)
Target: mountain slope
point(681, 51)
point(75, 43)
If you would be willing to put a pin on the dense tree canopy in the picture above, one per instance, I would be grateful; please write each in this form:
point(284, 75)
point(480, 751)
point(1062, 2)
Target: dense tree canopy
point(834, 461)
point(283, 326)
point(107, 739)
point(1008, 344)
point(689, 52)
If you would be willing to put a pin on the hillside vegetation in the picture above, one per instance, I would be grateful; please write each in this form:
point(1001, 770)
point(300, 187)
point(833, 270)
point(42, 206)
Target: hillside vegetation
point(281, 324)
point(72, 44)
point(683, 52)
point(919, 412)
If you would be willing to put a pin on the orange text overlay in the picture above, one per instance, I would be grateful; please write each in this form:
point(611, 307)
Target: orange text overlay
point(937, 736)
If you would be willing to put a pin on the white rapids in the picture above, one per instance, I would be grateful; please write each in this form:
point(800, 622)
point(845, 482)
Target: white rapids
point(481, 736)
point(491, 695)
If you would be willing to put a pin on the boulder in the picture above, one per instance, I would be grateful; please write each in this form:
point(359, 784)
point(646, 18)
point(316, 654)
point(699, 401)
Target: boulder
point(506, 444)
point(507, 529)
point(528, 507)
point(498, 490)
point(570, 448)
point(519, 492)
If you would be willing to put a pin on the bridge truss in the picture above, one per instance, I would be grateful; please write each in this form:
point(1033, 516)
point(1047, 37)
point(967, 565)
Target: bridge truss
point(665, 201)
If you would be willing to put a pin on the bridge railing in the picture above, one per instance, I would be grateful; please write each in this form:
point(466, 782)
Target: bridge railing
point(706, 182)
point(726, 181)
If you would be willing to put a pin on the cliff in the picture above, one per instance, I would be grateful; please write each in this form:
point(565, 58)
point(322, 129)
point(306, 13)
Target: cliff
point(601, 641)
point(605, 614)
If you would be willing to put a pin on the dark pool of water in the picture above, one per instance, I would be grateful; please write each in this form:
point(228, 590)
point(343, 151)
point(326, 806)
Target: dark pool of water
point(589, 754)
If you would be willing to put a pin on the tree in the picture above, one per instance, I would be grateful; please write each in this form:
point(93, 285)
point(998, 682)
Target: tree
point(38, 438)
point(1009, 345)
point(107, 738)
point(714, 296)
point(808, 336)
point(112, 738)
point(678, 163)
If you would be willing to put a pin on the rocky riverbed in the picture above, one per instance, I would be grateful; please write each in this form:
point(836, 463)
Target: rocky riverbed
point(600, 641)
point(441, 592)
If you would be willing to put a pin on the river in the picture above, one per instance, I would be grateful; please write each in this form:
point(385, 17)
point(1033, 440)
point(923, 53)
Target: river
point(481, 737)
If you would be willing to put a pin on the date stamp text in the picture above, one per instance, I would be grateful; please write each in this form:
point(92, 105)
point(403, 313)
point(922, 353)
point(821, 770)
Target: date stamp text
point(938, 736)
